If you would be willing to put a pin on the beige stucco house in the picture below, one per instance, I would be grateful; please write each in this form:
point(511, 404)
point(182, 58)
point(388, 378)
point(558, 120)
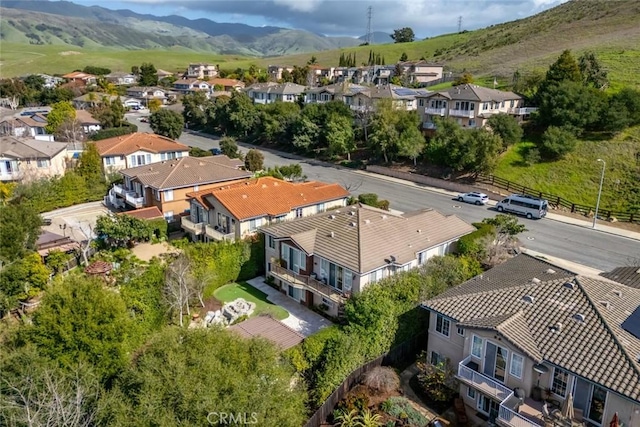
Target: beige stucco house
point(324, 258)
point(528, 330)
point(30, 159)
point(236, 210)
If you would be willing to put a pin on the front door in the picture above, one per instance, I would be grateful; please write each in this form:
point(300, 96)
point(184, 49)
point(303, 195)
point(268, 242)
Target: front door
point(596, 406)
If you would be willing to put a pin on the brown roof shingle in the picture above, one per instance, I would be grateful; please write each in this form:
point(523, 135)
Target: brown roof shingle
point(127, 144)
point(274, 197)
point(145, 213)
point(269, 328)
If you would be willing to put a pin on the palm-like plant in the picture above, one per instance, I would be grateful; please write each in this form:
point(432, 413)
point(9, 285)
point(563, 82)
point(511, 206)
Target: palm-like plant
point(347, 419)
point(369, 419)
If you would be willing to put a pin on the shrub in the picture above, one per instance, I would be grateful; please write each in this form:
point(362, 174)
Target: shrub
point(371, 199)
point(472, 244)
point(556, 142)
point(381, 379)
point(532, 157)
point(437, 382)
point(160, 228)
point(399, 407)
point(113, 132)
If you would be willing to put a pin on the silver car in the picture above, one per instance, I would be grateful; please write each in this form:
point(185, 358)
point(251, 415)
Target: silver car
point(474, 197)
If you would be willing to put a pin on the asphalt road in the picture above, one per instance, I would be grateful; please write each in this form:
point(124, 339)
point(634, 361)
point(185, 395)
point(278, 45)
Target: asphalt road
point(592, 248)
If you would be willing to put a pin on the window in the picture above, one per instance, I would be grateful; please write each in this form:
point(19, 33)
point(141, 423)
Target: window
point(560, 380)
point(422, 257)
point(168, 216)
point(460, 331)
point(442, 325)
point(421, 102)
point(109, 161)
point(272, 242)
point(517, 363)
point(471, 393)
point(472, 123)
point(43, 163)
point(298, 212)
point(320, 207)
point(196, 187)
point(476, 347)
point(437, 359)
point(156, 195)
point(253, 224)
point(168, 195)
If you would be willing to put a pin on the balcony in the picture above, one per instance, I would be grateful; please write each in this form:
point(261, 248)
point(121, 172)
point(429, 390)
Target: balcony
point(192, 227)
point(436, 111)
point(428, 125)
point(10, 176)
point(214, 234)
point(133, 199)
point(524, 111)
point(462, 113)
point(119, 190)
point(488, 386)
point(307, 282)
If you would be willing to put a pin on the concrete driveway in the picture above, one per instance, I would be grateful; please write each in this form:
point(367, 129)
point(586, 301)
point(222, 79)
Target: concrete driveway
point(300, 319)
point(76, 222)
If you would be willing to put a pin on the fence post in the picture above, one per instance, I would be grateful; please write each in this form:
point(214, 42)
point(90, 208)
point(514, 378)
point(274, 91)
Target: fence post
point(558, 202)
point(508, 182)
point(631, 217)
point(573, 207)
point(493, 178)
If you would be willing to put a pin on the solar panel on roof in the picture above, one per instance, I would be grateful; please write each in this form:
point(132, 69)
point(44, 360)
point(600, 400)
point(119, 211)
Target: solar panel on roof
point(632, 323)
point(404, 92)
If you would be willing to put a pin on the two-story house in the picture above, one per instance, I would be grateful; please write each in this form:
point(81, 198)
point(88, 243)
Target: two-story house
point(323, 259)
point(166, 184)
point(119, 78)
point(528, 330)
point(27, 124)
point(29, 159)
point(145, 94)
point(186, 86)
point(267, 93)
point(418, 72)
point(80, 77)
point(470, 105)
point(402, 98)
point(137, 149)
point(234, 211)
point(275, 72)
point(342, 92)
point(202, 71)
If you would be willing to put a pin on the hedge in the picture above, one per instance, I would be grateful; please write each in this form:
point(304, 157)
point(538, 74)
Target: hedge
point(470, 244)
point(113, 132)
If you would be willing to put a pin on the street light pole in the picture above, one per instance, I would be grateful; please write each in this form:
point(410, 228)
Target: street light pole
point(595, 217)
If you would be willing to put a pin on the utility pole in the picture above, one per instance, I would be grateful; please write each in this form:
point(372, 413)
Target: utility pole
point(459, 24)
point(368, 37)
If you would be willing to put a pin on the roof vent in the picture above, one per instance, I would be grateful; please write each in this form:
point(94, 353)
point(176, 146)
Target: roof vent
point(535, 280)
point(353, 224)
point(569, 285)
point(244, 196)
point(550, 271)
point(366, 221)
point(556, 328)
point(263, 185)
point(617, 293)
point(352, 213)
point(383, 216)
point(332, 217)
point(579, 317)
point(605, 304)
point(419, 231)
point(332, 234)
point(528, 299)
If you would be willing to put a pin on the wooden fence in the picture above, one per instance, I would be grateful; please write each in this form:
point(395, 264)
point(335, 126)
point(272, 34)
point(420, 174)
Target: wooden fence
point(512, 187)
point(404, 352)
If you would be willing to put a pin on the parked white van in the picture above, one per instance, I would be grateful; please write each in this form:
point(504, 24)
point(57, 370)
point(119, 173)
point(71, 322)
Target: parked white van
point(521, 204)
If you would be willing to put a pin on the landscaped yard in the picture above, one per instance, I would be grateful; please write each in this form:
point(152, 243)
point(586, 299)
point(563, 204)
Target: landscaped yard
point(232, 291)
point(577, 176)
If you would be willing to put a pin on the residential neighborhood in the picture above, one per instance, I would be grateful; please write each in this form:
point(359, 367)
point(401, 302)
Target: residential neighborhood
point(314, 214)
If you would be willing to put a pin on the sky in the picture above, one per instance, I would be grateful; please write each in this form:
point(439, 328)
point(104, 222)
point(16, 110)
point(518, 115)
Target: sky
point(427, 18)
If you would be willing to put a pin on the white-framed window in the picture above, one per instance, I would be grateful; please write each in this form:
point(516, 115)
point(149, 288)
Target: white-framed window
point(471, 392)
point(109, 161)
point(421, 102)
point(442, 325)
point(168, 195)
point(272, 242)
point(422, 257)
point(517, 365)
point(348, 280)
point(320, 207)
point(298, 212)
point(559, 382)
point(460, 331)
point(43, 163)
point(437, 359)
point(376, 275)
point(476, 346)
point(156, 195)
point(472, 123)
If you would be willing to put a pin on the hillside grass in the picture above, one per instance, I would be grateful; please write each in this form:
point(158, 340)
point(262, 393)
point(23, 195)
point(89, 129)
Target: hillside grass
point(577, 176)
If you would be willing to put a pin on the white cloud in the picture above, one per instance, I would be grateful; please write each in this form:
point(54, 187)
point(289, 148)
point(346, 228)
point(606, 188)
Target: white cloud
point(300, 5)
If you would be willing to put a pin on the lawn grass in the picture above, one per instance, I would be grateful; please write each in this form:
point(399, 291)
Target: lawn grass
point(232, 291)
point(577, 176)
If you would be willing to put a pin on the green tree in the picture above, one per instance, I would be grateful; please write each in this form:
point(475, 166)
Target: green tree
point(109, 114)
point(623, 110)
point(411, 141)
point(338, 132)
point(565, 68)
point(57, 260)
point(240, 114)
point(122, 230)
point(80, 321)
point(90, 166)
point(229, 147)
point(312, 61)
point(254, 160)
point(571, 105)
point(142, 295)
point(403, 35)
point(404, 57)
point(194, 111)
point(60, 112)
point(593, 74)
point(167, 123)
point(19, 229)
point(506, 226)
point(393, 130)
point(147, 75)
point(556, 142)
point(154, 105)
point(185, 375)
point(465, 78)
point(507, 127)
point(276, 122)
point(23, 279)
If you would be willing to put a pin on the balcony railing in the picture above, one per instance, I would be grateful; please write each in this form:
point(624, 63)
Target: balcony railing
point(214, 234)
point(436, 111)
point(308, 282)
point(10, 176)
point(462, 113)
point(192, 227)
point(133, 199)
point(509, 417)
point(119, 190)
point(523, 111)
point(487, 385)
point(428, 125)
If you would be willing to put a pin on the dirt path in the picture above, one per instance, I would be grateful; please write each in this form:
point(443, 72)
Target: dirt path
point(413, 398)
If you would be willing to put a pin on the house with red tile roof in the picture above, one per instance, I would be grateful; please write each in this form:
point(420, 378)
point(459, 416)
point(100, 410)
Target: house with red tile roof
point(237, 210)
point(138, 149)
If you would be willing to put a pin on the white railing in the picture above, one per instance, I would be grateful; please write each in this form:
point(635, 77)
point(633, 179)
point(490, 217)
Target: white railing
point(462, 113)
point(428, 125)
point(435, 111)
point(133, 199)
point(9, 176)
point(512, 418)
point(482, 382)
point(119, 189)
point(523, 111)
point(192, 227)
point(216, 235)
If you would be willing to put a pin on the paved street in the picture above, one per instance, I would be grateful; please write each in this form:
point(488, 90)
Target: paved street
point(581, 245)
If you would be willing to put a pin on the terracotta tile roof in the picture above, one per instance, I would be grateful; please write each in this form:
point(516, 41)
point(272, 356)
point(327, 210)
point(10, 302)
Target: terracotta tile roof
point(78, 75)
point(187, 171)
point(226, 82)
point(629, 276)
point(127, 144)
point(269, 328)
point(596, 348)
point(85, 118)
point(274, 197)
point(145, 213)
point(362, 238)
